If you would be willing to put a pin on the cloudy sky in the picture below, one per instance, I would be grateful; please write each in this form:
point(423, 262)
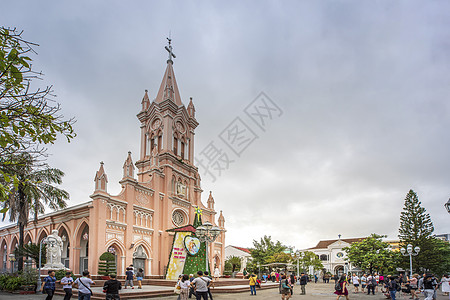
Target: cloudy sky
point(361, 90)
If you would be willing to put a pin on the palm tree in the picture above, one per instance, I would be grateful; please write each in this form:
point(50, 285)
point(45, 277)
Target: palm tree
point(33, 190)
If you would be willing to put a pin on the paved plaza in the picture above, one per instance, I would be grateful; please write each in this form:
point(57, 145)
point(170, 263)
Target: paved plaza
point(314, 291)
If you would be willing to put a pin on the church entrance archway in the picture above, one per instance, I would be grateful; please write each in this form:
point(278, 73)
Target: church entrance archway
point(139, 258)
point(4, 255)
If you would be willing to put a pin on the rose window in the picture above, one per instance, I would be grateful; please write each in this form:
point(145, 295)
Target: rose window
point(178, 218)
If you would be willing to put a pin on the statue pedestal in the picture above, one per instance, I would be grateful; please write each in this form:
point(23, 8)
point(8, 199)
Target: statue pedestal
point(54, 267)
point(240, 275)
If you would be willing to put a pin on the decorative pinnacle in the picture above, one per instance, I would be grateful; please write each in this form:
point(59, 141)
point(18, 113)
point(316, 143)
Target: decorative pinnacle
point(169, 49)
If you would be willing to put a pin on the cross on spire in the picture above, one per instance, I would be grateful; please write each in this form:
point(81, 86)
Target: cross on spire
point(169, 49)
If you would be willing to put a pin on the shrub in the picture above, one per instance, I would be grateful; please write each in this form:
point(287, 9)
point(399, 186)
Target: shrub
point(107, 264)
point(29, 276)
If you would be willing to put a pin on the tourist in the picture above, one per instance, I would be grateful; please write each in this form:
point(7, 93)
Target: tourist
point(355, 281)
point(191, 289)
point(185, 284)
point(216, 273)
point(377, 279)
point(303, 282)
point(111, 288)
point(201, 286)
point(140, 277)
point(252, 283)
point(286, 288)
point(292, 283)
point(49, 285)
point(341, 288)
point(209, 286)
point(393, 286)
point(363, 282)
point(272, 276)
point(413, 285)
point(129, 277)
point(428, 284)
point(445, 283)
point(67, 282)
point(84, 286)
point(265, 277)
point(371, 284)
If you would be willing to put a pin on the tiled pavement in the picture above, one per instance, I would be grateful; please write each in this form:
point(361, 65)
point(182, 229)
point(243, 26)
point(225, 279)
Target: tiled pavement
point(317, 291)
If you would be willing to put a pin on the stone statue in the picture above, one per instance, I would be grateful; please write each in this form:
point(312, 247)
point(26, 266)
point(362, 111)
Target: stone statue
point(54, 250)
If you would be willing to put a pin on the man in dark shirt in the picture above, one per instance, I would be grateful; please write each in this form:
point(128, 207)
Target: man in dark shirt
point(303, 282)
point(112, 287)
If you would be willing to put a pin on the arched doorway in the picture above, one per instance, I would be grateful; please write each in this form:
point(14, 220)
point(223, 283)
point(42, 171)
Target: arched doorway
point(139, 258)
point(217, 264)
point(3, 255)
point(66, 247)
point(28, 262)
point(84, 249)
point(14, 245)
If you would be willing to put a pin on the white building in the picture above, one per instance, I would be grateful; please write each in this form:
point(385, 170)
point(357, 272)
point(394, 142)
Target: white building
point(243, 253)
point(331, 254)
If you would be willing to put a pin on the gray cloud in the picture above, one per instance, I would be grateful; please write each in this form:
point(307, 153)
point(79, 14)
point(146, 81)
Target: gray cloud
point(362, 85)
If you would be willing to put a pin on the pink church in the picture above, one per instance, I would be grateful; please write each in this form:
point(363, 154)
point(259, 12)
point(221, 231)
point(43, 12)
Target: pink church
point(162, 195)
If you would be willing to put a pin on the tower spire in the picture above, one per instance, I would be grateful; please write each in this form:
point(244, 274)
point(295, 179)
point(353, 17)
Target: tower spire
point(169, 87)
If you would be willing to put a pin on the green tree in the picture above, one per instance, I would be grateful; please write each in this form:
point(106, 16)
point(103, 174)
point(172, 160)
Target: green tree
point(309, 259)
point(29, 117)
point(235, 263)
point(371, 254)
point(416, 228)
point(32, 251)
point(34, 190)
point(264, 249)
point(279, 257)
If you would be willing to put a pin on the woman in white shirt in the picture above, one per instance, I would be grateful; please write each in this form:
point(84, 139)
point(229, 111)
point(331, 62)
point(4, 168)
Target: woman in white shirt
point(184, 283)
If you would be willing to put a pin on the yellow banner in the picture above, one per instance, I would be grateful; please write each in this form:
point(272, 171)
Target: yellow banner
point(178, 257)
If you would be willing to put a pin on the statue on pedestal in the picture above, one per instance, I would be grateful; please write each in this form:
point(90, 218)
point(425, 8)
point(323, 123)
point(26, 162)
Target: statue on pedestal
point(54, 251)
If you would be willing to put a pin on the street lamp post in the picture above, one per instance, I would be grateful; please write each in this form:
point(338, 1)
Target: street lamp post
point(12, 259)
point(409, 249)
point(207, 233)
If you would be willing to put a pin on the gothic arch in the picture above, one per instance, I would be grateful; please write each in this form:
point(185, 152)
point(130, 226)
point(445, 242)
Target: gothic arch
point(61, 226)
point(14, 243)
point(116, 244)
point(28, 238)
point(77, 232)
point(42, 234)
point(146, 246)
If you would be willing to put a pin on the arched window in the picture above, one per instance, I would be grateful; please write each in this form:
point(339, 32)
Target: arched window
point(323, 257)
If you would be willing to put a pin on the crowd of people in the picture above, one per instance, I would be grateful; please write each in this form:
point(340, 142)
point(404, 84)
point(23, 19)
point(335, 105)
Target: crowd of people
point(390, 285)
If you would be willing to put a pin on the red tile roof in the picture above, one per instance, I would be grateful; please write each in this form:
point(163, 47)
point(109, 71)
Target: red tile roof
point(242, 249)
point(326, 243)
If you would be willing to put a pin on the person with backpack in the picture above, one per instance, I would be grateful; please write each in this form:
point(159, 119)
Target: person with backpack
point(111, 288)
point(252, 283)
point(341, 287)
point(201, 285)
point(428, 285)
point(371, 284)
point(285, 288)
point(393, 287)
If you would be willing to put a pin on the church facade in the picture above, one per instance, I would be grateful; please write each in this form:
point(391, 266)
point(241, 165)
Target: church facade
point(161, 191)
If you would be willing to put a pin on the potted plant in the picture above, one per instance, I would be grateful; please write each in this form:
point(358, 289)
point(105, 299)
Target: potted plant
point(106, 265)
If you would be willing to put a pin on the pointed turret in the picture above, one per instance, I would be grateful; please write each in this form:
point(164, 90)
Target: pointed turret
point(221, 220)
point(191, 109)
point(101, 179)
point(128, 167)
point(210, 201)
point(169, 87)
point(145, 101)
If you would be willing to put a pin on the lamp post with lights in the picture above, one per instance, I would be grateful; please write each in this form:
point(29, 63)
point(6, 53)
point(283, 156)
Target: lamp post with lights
point(409, 249)
point(207, 233)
